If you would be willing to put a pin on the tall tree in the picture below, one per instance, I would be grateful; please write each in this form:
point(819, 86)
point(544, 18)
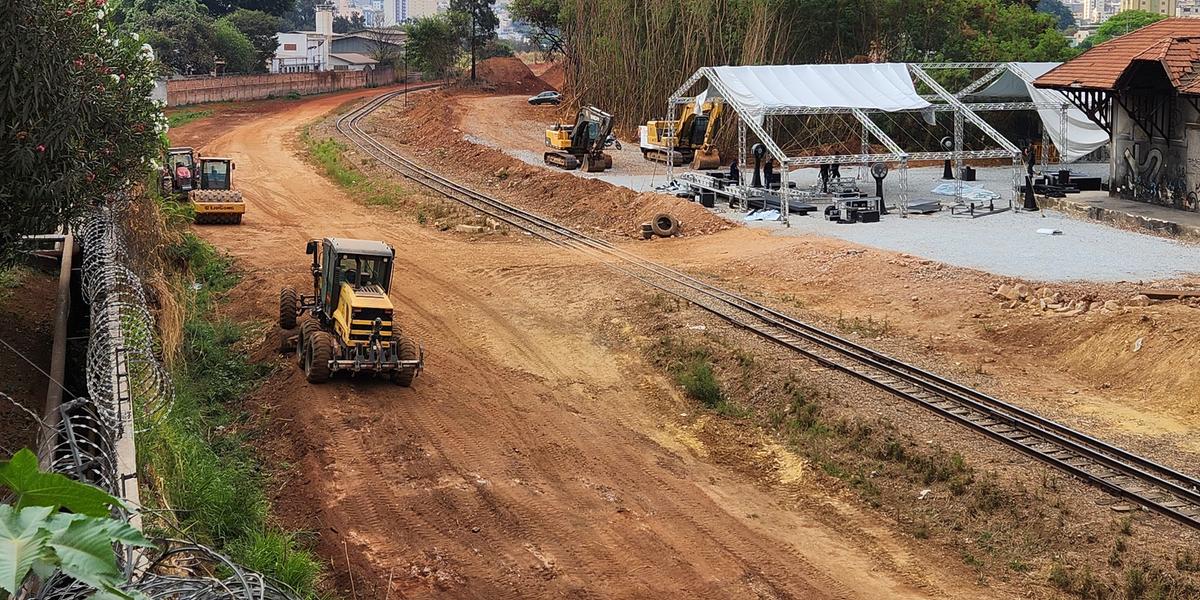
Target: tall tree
point(354, 22)
point(1066, 18)
point(220, 8)
point(181, 36)
point(260, 28)
point(544, 20)
point(386, 45)
point(433, 45)
point(477, 23)
point(1126, 21)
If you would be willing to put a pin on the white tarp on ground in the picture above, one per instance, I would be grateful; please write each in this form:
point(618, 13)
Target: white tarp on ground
point(761, 88)
point(1081, 137)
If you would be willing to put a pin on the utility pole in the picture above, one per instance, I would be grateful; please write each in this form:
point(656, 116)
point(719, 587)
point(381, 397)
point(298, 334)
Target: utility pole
point(473, 12)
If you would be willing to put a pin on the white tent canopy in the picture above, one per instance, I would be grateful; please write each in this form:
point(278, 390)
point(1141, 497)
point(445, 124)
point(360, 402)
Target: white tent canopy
point(1075, 138)
point(762, 89)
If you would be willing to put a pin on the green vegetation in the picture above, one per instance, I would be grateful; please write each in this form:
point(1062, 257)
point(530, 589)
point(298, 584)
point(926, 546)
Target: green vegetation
point(1120, 24)
point(197, 456)
point(183, 117)
point(36, 537)
point(633, 53)
point(329, 154)
point(432, 46)
point(10, 279)
point(61, 55)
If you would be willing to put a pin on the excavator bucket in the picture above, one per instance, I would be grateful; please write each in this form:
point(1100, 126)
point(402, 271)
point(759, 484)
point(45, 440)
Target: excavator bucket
point(706, 159)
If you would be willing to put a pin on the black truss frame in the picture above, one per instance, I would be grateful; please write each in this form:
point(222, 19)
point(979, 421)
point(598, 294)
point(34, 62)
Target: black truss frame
point(1096, 104)
point(1152, 112)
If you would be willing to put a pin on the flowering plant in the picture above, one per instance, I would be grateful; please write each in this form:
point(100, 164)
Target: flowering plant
point(77, 120)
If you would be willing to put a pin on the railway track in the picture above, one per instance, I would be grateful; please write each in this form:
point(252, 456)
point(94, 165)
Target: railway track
point(1108, 467)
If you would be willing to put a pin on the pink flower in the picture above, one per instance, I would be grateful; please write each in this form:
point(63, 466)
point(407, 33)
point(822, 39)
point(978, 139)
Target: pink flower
point(41, 148)
point(69, 12)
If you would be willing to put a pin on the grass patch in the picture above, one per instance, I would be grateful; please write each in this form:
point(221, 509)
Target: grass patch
point(198, 462)
point(183, 117)
point(10, 279)
point(330, 153)
point(867, 328)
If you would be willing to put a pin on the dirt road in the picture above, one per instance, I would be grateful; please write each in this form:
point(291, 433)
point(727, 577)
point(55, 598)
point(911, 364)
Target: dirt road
point(531, 459)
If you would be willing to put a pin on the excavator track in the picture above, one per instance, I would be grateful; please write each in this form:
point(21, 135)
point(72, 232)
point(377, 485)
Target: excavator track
point(661, 156)
point(562, 160)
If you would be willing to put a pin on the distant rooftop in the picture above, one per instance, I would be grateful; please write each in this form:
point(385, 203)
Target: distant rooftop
point(1175, 43)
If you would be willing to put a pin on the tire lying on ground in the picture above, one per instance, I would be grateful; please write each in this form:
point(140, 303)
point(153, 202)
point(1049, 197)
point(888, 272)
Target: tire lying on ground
point(664, 225)
point(647, 231)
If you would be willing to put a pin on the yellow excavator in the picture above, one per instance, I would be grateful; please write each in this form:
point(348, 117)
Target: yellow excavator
point(582, 144)
point(694, 141)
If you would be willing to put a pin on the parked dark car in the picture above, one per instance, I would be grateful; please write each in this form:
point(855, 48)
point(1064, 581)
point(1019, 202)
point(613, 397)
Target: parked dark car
point(547, 97)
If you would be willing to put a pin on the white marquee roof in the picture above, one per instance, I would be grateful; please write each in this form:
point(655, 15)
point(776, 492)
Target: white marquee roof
point(765, 88)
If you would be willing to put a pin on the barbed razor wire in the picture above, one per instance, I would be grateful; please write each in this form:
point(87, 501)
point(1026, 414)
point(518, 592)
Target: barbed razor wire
point(127, 383)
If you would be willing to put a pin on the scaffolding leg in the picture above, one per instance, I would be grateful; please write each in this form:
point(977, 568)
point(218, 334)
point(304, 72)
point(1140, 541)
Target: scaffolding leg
point(671, 142)
point(958, 154)
point(742, 162)
point(783, 194)
point(903, 175)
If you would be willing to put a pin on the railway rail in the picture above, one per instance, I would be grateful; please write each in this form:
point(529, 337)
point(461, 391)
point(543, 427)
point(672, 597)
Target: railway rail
point(1149, 484)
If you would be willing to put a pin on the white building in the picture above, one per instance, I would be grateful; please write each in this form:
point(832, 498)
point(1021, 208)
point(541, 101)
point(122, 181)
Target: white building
point(306, 50)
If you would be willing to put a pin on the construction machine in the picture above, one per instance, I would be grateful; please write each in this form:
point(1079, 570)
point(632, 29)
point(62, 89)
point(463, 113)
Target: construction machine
point(213, 196)
point(691, 135)
point(347, 324)
point(179, 172)
point(583, 143)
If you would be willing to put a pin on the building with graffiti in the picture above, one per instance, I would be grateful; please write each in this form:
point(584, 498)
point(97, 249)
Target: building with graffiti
point(1143, 88)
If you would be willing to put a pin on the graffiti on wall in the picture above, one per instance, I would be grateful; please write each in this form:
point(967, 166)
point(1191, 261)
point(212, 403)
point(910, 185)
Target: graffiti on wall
point(1148, 179)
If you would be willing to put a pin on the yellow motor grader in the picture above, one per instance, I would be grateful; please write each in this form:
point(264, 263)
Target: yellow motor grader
point(346, 325)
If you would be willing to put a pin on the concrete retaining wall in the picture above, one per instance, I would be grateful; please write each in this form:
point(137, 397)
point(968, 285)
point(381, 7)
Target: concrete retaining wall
point(256, 87)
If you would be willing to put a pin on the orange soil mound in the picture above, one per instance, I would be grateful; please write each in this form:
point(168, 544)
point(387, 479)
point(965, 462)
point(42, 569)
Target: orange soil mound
point(555, 76)
point(589, 204)
point(510, 76)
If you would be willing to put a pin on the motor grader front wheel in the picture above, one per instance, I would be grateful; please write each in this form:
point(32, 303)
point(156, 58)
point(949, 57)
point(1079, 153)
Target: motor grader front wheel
point(289, 307)
point(318, 350)
point(407, 350)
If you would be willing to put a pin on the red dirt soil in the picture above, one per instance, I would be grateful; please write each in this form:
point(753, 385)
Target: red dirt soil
point(510, 76)
point(530, 459)
point(594, 205)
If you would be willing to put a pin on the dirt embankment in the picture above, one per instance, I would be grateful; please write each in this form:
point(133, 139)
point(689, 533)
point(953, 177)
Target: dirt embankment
point(508, 75)
point(27, 301)
point(429, 131)
point(531, 458)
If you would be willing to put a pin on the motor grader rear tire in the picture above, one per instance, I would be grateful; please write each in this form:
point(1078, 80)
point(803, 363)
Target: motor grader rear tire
point(406, 350)
point(289, 307)
point(318, 352)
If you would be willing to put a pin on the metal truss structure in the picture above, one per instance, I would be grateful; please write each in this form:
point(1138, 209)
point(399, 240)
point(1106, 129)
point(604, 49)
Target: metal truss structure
point(965, 112)
point(761, 123)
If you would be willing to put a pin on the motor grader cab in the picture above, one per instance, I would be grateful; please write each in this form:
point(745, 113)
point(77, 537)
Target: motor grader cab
point(582, 144)
point(346, 324)
point(179, 172)
point(693, 134)
point(214, 199)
